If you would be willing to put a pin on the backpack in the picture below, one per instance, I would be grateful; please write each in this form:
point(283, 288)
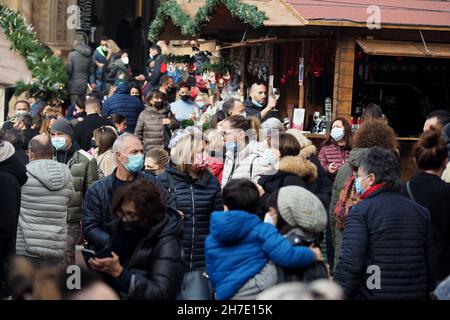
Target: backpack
point(347, 199)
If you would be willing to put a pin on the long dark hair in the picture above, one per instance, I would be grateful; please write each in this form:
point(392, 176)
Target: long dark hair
point(347, 134)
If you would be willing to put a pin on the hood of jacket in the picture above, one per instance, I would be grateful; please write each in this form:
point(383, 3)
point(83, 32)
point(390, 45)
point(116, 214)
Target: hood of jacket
point(14, 166)
point(53, 175)
point(254, 148)
point(83, 50)
point(355, 156)
point(308, 151)
point(229, 227)
point(299, 167)
point(123, 88)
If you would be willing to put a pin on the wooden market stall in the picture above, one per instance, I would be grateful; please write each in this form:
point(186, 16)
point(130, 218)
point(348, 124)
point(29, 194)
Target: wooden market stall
point(394, 53)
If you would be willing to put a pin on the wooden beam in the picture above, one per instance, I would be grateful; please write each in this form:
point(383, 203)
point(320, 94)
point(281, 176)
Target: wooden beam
point(332, 23)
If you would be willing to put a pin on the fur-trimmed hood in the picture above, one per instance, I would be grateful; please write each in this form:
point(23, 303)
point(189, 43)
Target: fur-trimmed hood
point(299, 166)
point(308, 151)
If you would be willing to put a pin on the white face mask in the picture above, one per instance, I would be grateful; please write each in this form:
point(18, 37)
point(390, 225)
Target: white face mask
point(126, 60)
point(268, 219)
point(337, 134)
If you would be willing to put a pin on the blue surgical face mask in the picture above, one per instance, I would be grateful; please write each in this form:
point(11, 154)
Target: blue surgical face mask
point(135, 163)
point(337, 134)
point(201, 105)
point(230, 146)
point(22, 113)
point(256, 103)
point(358, 186)
point(268, 219)
point(59, 143)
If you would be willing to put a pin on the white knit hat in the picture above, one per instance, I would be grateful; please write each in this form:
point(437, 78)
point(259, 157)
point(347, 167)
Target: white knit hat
point(301, 208)
point(6, 150)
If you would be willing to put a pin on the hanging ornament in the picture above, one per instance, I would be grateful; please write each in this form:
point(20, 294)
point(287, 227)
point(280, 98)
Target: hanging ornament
point(283, 80)
point(359, 54)
point(291, 72)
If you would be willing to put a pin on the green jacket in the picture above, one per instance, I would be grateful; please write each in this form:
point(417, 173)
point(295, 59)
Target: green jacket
point(343, 174)
point(83, 168)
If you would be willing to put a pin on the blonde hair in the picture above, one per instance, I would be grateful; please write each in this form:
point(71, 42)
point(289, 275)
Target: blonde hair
point(46, 123)
point(185, 145)
point(113, 48)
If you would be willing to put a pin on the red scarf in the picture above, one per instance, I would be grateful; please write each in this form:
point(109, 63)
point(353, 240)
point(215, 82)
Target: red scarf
point(371, 190)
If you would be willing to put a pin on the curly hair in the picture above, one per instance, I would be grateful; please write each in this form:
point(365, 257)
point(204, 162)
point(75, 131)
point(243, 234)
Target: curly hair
point(375, 133)
point(146, 198)
point(384, 164)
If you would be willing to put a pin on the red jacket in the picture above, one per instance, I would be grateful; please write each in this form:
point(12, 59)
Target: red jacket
point(216, 168)
point(333, 153)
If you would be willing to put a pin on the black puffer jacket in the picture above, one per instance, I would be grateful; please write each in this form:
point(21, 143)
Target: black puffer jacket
point(392, 233)
point(293, 171)
point(155, 269)
point(197, 199)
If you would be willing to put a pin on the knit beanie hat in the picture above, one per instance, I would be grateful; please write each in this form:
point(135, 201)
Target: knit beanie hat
point(62, 125)
point(301, 208)
point(6, 150)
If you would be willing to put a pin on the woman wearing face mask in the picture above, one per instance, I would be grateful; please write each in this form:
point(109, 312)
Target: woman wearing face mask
point(155, 122)
point(146, 262)
point(201, 104)
point(246, 156)
point(197, 194)
point(120, 69)
point(156, 162)
point(336, 148)
point(120, 123)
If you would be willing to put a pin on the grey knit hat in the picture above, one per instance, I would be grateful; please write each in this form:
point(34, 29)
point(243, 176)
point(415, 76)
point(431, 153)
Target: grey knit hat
point(6, 150)
point(62, 125)
point(301, 208)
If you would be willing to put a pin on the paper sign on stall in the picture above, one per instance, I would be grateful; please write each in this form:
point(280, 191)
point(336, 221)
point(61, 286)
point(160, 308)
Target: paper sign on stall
point(299, 118)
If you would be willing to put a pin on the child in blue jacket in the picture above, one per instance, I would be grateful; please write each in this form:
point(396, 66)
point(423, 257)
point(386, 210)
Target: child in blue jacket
point(241, 250)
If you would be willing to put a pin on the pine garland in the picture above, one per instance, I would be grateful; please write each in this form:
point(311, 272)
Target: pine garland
point(171, 10)
point(49, 73)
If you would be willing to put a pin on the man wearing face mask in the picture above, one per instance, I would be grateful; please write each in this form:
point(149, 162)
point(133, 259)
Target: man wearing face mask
point(259, 105)
point(184, 107)
point(129, 156)
point(156, 123)
point(21, 108)
point(83, 168)
point(156, 68)
point(99, 60)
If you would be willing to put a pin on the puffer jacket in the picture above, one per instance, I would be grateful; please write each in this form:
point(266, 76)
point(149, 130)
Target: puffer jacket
point(122, 102)
point(239, 166)
point(83, 168)
point(42, 227)
point(80, 67)
point(333, 153)
point(293, 171)
point(150, 129)
point(240, 246)
point(391, 232)
point(97, 213)
point(343, 174)
point(197, 199)
point(155, 269)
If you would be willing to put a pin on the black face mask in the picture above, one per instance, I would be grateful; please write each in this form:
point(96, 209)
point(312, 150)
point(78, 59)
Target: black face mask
point(159, 105)
point(134, 226)
point(151, 172)
point(185, 98)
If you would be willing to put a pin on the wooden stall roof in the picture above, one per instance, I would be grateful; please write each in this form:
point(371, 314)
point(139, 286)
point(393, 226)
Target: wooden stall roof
point(405, 49)
point(279, 14)
point(12, 64)
point(407, 14)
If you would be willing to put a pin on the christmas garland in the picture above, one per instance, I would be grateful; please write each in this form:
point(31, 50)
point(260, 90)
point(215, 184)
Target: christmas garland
point(49, 72)
point(171, 10)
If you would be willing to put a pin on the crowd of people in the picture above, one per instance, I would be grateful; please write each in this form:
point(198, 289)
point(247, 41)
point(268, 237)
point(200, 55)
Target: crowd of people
point(166, 211)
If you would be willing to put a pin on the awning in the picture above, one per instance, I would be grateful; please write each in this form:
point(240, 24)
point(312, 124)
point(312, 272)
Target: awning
point(404, 49)
point(278, 13)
